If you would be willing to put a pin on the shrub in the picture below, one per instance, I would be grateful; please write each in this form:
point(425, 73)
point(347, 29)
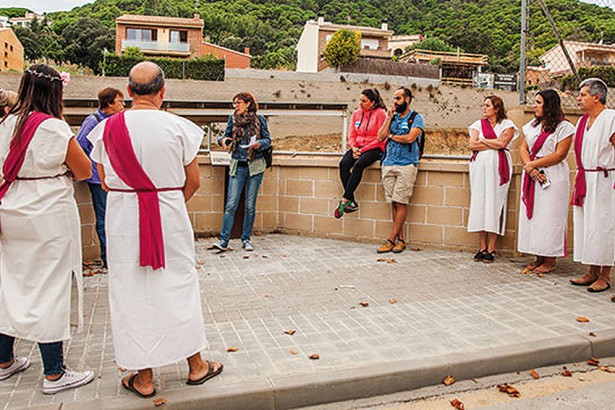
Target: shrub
point(343, 49)
point(207, 68)
point(606, 73)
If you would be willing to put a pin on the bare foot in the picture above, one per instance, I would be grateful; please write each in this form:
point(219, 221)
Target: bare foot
point(544, 268)
point(599, 285)
point(140, 386)
point(199, 370)
point(584, 280)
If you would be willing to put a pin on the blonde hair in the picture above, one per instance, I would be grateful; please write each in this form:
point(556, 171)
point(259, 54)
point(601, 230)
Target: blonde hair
point(7, 99)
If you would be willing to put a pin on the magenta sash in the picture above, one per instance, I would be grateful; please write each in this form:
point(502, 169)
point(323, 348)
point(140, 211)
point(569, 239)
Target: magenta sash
point(127, 167)
point(580, 187)
point(503, 167)
point(529, 185)
point(17, 151)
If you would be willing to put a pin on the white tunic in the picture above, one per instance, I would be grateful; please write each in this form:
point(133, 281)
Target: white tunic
point(594, 223)
point(40, 243)
point(545, 233)
point(156, 316)
point(488, 198)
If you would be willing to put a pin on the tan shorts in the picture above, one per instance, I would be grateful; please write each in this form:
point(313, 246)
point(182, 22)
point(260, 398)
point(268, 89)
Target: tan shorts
point(398, 182)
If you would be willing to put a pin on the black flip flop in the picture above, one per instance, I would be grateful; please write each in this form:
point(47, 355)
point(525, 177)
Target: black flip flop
point(210, 373)
point(131, 387)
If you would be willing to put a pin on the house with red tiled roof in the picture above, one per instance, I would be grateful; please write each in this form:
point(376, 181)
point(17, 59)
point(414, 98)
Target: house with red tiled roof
point(174, 37)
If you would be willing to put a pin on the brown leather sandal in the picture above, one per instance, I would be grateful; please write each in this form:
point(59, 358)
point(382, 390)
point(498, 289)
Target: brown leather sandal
point(584, 280)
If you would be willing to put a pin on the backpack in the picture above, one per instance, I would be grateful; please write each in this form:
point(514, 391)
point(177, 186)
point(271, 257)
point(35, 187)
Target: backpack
point(268, 155)
point(420, 139)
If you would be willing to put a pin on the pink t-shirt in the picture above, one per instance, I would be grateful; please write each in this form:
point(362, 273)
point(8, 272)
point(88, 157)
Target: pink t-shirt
point(364, 126)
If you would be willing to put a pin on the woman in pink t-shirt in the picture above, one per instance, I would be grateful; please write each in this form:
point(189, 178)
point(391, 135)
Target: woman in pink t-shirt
point(365, 149)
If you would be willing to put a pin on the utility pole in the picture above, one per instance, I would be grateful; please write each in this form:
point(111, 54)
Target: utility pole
point(522, 61)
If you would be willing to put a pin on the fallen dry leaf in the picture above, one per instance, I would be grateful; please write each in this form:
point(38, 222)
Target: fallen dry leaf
point(290, 332)
point(392, 301)
point(607, 369)
point(508, 389)
point(567, 373)
point(540, 275)
point(415, 249)
point(268, 295)
point(363, 303)
point(593, 361)
point(592, 334)
point(232, 349)
point(448, 380)
point(160, 401)
point(387, 260)
point(534, 374)
point(293, 352)
point(582, 319)
point(458, 404)
point(246, 256)
point(314, 357)
point(121, 369)
point(201, 262)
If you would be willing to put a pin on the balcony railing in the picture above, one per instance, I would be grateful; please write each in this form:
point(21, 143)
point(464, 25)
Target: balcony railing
point(157, 46)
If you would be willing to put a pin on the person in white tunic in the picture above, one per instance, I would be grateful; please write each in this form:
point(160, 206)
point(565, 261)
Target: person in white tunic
point(594, 191)
point(156, 316)
point(490, 173)
point(40, 238)
point(545, 183)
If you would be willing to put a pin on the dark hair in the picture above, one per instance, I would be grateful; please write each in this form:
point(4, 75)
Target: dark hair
point(552, 113)
point(374, 96)
point(106, 97)
point(152, 87)
point(247, 98)
point(498, 104)
point(40, 90)
point(407, 92)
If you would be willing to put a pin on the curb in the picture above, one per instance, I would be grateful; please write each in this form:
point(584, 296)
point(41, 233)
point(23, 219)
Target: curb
point(280, 392)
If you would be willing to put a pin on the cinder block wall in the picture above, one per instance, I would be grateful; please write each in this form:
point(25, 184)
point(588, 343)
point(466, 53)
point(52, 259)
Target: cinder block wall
point(299, 195)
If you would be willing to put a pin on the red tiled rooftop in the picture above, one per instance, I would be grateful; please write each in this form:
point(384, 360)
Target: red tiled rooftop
point(160, 20)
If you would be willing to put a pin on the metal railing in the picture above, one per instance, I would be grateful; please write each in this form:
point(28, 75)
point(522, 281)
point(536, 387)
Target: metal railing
point(157, 46)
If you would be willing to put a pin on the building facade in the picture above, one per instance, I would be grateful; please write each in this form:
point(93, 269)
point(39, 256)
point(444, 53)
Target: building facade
point(12, 51)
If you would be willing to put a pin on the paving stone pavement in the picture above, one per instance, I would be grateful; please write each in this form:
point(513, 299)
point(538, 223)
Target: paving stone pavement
point(425, 304)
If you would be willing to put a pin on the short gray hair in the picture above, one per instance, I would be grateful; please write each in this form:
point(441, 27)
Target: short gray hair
point(151, 87)
point(595, 86)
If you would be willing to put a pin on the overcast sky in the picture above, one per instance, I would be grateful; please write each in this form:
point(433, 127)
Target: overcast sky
point(56, 5)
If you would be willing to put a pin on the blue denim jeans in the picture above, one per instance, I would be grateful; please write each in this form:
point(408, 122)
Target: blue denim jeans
point(52, 354)
point(99, 201)
point(235, 187)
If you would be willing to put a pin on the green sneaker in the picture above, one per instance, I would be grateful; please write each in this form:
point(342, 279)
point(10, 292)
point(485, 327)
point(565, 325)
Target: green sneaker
point(351, 206)
point(339, 211)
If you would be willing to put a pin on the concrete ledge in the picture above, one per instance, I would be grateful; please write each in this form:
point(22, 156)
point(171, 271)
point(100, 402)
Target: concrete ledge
point(280, 392)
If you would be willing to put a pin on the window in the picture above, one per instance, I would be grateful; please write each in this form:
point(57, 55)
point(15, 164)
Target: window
point(6, 64)
point(11, 48)
point(6, 45)
point(141, 34)
point(176, 36)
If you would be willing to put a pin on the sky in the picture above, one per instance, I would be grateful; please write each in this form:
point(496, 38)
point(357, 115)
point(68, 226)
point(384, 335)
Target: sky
point(41, 6)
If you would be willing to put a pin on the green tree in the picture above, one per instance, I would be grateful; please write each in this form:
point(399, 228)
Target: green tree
point(433, 44)
point(132, 52)
point(84, 41)
point(343, 48)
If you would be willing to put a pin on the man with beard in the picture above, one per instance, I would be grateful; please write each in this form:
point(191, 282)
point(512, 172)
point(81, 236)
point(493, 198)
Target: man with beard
point(400, 162)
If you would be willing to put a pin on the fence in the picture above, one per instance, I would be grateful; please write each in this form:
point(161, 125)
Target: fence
point(565, 44)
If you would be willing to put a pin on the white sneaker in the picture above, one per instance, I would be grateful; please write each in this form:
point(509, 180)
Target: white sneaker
point(19, 365)
point(247, 246)
point(68, 380)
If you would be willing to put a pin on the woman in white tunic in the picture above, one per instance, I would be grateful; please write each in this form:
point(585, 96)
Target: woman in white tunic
point(543, 222)
point(40, 239)
point(156, 315)
point(490, 173)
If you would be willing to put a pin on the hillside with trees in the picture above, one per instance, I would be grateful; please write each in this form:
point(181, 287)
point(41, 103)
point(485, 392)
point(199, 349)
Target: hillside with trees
point(271, 28)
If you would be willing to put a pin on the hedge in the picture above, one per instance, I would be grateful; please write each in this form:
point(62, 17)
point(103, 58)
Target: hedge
point(206, 68)
point(604, 72)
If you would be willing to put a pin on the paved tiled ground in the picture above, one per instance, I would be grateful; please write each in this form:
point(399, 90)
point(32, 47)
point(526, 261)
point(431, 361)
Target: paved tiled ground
point(446, 304)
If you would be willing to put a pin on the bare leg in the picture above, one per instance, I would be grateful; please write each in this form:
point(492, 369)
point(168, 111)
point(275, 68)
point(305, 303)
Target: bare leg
point(399, 218)
point(491, 240)
point(482, 239)
point(539, 261)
